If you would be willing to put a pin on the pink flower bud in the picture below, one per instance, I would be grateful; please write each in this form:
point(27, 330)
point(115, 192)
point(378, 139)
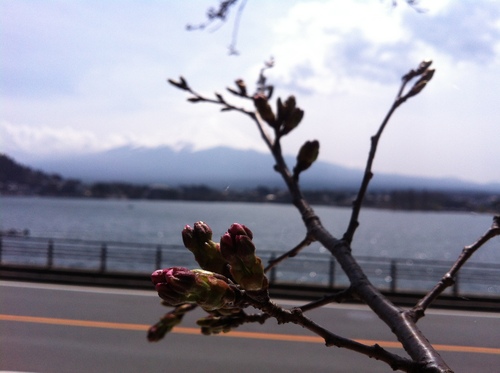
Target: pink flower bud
point(197, 236)
point(227, 248)
point(239, 229)
point(238, 249)
point(206, 252)
point(180, 285)
point(174, 285)
point(245, 249)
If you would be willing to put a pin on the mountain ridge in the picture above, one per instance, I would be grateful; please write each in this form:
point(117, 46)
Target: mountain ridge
point(222, 167)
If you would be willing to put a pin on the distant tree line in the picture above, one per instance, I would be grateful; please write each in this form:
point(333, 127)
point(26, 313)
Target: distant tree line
point(20, 180)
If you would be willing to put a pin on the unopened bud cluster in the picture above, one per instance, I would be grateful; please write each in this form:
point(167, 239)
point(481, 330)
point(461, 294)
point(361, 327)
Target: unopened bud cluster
point(238, 249)
point(424, 73)
point(228, 268)
point(288, 114)
point(198, 240)
point(179, 285)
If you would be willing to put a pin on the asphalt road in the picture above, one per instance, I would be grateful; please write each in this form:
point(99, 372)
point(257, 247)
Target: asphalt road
point(59, 329)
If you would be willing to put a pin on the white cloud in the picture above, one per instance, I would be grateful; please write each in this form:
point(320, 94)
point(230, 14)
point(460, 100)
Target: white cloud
point(464, 30)
point(46, 140)
point(91, 75)
point(320, 45)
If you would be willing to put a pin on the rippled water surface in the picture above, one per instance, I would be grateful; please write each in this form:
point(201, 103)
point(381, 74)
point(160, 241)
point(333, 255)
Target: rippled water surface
point(393, 234)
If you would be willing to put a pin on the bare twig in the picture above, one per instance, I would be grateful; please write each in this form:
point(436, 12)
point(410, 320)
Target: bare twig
point(215, 324)
point(236, 28)
point(448, 279)
point(262, 87)
point(182, 84)
point(338, 297)
point(214, 14)
point(222, 12)
point(289, 254)
point(296, 316)
point(426, 75)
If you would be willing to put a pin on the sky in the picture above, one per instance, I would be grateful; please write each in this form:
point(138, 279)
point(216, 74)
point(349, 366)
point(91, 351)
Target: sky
point(90, 75)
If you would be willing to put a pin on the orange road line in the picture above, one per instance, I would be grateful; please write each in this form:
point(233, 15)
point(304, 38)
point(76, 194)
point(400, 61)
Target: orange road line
point(71, 322)
point(234, 334)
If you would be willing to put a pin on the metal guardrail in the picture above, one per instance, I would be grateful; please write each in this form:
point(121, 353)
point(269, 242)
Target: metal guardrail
point(394, 275)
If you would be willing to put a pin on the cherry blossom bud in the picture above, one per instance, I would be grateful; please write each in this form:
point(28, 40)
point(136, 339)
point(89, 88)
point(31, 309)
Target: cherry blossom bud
point(245, 267)
point(180, 285)
point(290, 103)
point(206, 252)
point(168, 322)
point(175, 285)
point(308, 153)
point(241, 86)
point(292, 120)
point(289, 116)
point(240, 229)
point(424, 65)
point(162, 327)
point(421, 83)
point(264, 109)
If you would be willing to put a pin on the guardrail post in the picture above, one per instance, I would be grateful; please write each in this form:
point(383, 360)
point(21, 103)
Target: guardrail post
point(272, 275)
point(104, 254)
point(455, 286)
point(50, 254)
point(331, 273)
point(158, 257)
point(394, 274)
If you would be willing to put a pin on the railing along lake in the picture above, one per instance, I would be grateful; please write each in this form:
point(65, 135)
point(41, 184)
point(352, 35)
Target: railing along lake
point(391, 274)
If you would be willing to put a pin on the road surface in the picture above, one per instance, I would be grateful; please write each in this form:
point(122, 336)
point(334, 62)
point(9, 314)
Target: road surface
point(59, 329)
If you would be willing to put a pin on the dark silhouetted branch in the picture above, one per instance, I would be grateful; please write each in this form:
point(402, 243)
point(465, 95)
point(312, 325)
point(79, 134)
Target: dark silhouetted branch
point(289, 254)
point(424, 358)
point(425, 75)
point(448, 279)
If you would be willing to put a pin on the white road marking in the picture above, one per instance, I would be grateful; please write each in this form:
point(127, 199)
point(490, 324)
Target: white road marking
point(283, 302)
point(82, 289)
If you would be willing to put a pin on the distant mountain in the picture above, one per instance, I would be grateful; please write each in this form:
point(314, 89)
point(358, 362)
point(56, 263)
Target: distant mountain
point(17, 179)
point(223, 167)
point(11, 171)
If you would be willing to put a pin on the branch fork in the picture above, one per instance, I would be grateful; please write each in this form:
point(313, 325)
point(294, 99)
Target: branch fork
point(403, 323)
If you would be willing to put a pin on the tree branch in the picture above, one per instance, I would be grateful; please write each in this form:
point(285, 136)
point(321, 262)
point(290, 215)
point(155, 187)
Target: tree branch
point(368, 174)
point(289, 254)
point(418, 311)
point(296, 316)
point(338, 297)
point(404, 327)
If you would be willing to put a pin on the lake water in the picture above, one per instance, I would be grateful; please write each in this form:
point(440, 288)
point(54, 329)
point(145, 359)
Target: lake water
point(389, 234)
